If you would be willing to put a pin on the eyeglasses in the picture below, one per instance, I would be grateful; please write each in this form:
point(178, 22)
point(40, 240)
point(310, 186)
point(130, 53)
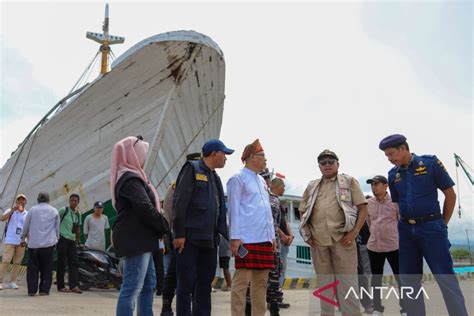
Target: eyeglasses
point(139, 137)
point(325, 162)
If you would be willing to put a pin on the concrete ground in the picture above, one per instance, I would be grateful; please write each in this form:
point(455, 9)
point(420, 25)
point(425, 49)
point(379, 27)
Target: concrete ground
point(102, 302)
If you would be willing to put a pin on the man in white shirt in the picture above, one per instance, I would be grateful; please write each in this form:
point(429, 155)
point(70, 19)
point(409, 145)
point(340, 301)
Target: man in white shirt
point(95, 225)
point(251, 231)
point(12, 251)
point(42, 230)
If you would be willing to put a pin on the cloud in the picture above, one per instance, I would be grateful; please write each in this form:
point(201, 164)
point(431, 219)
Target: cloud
point(23, 100)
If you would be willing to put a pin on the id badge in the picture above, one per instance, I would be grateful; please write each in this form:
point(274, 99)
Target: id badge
point(18, 230)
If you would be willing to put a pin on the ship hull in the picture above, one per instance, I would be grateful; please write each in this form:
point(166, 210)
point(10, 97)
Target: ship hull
point(168, 88)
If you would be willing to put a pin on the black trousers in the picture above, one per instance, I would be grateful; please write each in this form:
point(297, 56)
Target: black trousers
point(169, 282)
point(67, 254)
point(159, 271)
point(363, 278)
point(40, 267)
point(377, 261)
point(195, 271)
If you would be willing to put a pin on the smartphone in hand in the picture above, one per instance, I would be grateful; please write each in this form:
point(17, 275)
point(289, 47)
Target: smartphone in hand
point(242, 252)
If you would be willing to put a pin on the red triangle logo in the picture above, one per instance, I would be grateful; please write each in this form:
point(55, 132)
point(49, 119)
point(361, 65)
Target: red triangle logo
point(333, 285)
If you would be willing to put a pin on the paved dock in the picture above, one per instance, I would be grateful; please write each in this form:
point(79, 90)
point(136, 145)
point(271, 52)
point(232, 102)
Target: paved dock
point(102, 302)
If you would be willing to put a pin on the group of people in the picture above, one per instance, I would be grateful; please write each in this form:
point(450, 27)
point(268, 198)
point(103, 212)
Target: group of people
point(196, 226)
point(405, 226)
point(42, 229)
point(195, 220)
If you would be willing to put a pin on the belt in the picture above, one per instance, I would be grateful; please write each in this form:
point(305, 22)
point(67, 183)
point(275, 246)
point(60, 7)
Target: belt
point(419, 220)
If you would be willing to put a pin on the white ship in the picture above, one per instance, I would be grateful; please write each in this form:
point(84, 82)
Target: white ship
point(169, 88)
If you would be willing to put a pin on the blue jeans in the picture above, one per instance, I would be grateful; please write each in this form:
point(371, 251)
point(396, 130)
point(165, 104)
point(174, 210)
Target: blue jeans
point(139, 281)
point(166, 261)
point(428, 240)
point(284, 258)
point(195, 270)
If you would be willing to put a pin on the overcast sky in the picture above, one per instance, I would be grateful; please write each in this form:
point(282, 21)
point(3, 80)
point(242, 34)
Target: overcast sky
point(301, 77)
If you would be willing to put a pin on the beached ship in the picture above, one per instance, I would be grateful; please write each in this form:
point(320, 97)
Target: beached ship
point(169, 88)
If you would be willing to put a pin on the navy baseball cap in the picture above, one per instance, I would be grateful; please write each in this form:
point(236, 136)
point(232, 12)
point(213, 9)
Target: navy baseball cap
point(99, 204)
point(378, 178)
point(392, 141)
point(215, 145)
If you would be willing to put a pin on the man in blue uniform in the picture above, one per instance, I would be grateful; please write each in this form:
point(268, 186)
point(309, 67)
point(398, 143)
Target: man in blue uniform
point(423, 230)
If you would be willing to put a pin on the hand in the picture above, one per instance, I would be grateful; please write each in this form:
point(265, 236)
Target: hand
point(289, 240)
point(234, 246)
point(179, 244)
point(349, 238)
point(310, 242)
point(274, 246)
point(23, 243)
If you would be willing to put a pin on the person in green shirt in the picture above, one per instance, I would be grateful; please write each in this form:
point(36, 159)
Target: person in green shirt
point(69, 238)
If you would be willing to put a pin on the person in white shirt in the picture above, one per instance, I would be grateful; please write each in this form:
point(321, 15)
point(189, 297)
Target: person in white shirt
point(95, 225)
point(12, 251)
point(251, 231)
point(42, 231)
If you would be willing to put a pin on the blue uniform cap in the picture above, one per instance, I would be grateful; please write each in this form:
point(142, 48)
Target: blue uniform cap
point(392, 141)
point(215, 145)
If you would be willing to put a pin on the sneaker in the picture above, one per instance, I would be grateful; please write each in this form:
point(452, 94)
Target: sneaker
point(13, 285)
point(1, 286)
point(369, 310)
point(213, 290)
point(377, 313)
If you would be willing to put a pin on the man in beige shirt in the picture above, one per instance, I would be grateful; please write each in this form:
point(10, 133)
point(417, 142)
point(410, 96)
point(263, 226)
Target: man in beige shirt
point(333, 211)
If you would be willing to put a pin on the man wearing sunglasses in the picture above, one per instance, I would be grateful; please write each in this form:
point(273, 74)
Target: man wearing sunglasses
point(333, 212)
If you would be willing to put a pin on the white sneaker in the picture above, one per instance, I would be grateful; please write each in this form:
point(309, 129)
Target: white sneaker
point(1, 286)
point(403, 314)
point(12, 285)
point(377, 313)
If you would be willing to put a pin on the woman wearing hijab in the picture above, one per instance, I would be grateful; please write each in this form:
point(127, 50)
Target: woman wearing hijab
point(138, 226)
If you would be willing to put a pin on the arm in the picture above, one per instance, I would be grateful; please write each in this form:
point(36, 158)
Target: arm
point(86, 227)
point(26, 228)
point(359, 200)
point(133, 190)
point(449, 202)
point(8, 213)
point(234, 195)
point(78, 228)
point(181, 200)
point(445, 184)
point(58, 222)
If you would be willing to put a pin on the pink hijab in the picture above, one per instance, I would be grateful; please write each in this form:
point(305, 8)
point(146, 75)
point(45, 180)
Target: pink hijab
point(130, 155)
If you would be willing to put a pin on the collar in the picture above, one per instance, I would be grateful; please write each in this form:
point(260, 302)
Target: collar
point(248, 171)
point(330, 179)
point(385, 198)
point(414, 159)
point(204, 166)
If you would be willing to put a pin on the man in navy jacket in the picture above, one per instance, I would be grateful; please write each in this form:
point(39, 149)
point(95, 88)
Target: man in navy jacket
point(199, 215)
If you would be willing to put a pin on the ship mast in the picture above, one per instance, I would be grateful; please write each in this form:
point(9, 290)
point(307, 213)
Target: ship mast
point(105, 40)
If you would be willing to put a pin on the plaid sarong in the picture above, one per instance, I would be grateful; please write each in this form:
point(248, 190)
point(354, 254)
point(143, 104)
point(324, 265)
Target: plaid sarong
point(260, 257)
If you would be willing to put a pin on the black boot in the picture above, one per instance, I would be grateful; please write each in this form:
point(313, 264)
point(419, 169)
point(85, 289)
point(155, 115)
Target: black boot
point(167, 310)
point(274, 309)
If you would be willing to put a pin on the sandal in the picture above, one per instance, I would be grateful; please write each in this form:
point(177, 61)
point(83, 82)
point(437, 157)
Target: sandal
point(76, 290)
